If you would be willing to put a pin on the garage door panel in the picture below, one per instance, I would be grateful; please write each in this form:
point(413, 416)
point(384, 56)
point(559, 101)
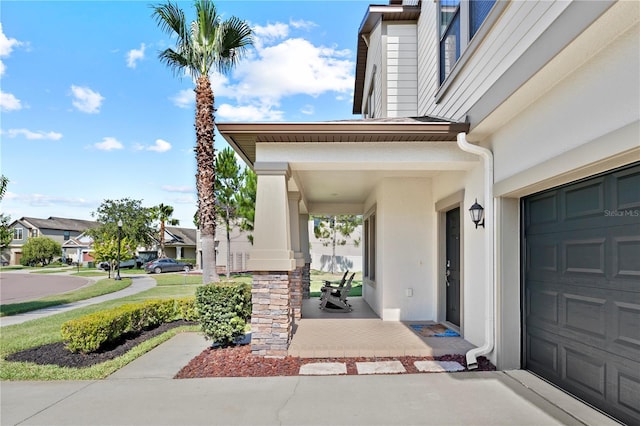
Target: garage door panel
point(626, 257)
point(542, 305)
point(584, 371)
point(581, 201)
point(627, 327)
point(627, 381)
point(543, 357)
point(582, 289)
point(627, 191)
point(585, 315)
point(585, 256)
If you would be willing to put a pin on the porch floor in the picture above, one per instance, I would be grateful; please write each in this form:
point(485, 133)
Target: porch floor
point(361, 333)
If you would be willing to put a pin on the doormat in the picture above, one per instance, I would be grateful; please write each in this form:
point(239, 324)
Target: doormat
point(434, 330)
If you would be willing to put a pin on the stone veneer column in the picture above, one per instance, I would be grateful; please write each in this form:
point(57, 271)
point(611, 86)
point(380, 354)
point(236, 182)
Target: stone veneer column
point(295, 292)
point(306, 255)
point(271, 323)
point(306, 281)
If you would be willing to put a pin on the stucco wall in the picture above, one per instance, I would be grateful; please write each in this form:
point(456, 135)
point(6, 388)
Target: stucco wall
point(405, 217)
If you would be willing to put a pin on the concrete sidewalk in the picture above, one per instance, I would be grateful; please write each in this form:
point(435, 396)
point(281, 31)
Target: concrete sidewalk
point(143, 393)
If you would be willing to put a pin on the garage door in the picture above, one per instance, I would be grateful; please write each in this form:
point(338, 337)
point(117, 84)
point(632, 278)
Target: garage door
point(581, 250)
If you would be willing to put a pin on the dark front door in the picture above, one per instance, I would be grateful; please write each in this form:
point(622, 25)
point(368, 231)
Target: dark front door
point(582, 289)
point(453, 266)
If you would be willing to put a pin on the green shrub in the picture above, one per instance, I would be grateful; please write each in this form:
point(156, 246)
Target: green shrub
point(89, 333)
point(223, 310)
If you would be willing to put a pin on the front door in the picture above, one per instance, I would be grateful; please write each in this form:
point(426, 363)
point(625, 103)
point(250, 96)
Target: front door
point(452, 273)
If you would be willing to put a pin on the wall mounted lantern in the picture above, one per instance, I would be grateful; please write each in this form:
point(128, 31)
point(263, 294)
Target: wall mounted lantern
point(477, 214)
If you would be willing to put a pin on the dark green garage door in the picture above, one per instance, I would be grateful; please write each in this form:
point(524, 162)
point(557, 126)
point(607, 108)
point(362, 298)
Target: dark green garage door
point(581, 251)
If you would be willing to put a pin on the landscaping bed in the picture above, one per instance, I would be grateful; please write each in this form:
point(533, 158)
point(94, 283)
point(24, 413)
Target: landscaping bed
point(58, 354)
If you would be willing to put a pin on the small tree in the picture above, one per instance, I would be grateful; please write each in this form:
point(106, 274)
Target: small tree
point(136, 221)
point(227, 186)
point(335, 231)
point(40, 250)
point(6, 236)
point(106, 250)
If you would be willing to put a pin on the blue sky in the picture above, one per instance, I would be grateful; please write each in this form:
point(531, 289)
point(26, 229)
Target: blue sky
point(88, 112)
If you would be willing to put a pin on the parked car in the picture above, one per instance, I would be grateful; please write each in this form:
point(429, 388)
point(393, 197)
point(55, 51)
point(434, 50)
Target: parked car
point(124, 264)
point(166, 265)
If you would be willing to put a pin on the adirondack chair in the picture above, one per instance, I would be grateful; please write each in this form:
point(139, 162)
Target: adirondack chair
point(336, 300)
point(332, 287)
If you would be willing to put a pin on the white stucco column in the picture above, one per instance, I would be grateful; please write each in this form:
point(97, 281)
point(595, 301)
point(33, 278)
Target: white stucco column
point(272, 232)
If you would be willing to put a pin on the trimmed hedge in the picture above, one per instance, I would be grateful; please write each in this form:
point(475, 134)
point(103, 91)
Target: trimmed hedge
point(224, 309)
point(91, 332)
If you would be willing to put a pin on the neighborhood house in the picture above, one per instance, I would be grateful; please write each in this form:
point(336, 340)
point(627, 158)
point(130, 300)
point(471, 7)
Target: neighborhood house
point(524, 113)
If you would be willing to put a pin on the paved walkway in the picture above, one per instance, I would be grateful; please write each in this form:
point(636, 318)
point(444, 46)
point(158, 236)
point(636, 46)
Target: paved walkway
point(139, 283)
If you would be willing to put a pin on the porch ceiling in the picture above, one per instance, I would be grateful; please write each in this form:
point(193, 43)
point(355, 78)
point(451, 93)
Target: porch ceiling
point(336, 165)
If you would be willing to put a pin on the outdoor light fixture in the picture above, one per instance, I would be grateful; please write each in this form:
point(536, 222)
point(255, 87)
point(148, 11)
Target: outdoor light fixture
point(117, 278)
point(477, 212)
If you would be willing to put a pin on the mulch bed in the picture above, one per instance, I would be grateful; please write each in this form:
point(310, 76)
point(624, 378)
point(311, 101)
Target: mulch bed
point(237, 361)
point(57, 354)
point(234, 361)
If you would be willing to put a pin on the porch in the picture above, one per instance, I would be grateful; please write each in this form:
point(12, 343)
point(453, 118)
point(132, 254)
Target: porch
point(361, 333)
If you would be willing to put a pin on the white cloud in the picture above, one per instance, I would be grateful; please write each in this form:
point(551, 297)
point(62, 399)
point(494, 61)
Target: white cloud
point(160, 146)
point(294, 67)
point(135, 55)
point(8, 102)
point(308, 109)
point(249, 113)
point(302, 24)
point(269, 33)
point(183, 189)
point(6, 47)
point(54, 136)
point(86, 100)
point(184, 99)
point(108, 144)
point(40, 200)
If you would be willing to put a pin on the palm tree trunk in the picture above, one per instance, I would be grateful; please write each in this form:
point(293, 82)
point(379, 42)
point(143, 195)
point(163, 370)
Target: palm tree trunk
point(205, 176)
point(162, 238)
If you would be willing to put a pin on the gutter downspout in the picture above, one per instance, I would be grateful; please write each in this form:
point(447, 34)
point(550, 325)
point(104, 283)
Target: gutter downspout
point(490, 291)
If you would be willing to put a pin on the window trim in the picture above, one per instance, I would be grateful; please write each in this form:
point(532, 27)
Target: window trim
point(467, 49)
point(20, 231)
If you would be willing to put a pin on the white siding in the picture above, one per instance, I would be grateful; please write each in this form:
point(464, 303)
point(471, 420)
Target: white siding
point(515, 31)
point(401, 70)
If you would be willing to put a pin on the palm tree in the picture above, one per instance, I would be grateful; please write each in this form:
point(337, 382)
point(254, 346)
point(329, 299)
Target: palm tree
point(206, 44)
point(163, 214)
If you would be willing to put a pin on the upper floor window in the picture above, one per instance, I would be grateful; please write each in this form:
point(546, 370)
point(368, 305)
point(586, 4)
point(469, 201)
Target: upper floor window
point(67, 235)
point(459, 22)
point(34, 233)
point(17, 233)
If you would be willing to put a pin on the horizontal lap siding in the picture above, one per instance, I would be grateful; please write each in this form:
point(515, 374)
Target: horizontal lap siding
point(401, 70)
point(515, 31)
